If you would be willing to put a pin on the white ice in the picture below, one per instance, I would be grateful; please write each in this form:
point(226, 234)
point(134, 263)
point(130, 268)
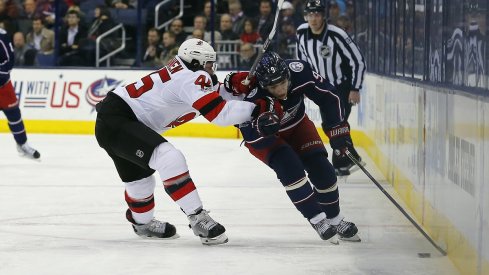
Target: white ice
point(65, 215)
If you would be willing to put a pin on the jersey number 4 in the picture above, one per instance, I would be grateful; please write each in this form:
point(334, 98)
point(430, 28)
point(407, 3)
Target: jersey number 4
point(148, 83)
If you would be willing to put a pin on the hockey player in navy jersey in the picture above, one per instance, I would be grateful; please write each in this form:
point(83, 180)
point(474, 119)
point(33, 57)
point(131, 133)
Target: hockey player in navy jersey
point(297, 148)
point(9, 103)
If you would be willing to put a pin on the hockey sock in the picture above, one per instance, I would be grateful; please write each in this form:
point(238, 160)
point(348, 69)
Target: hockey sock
point(322, 176)
point(16, 124)
point(142, 210)
point(182, 190)
point(139, 198)
point(290, 172)
point(172, 167)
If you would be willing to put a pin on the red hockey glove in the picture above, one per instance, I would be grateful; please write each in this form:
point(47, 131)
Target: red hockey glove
point(339, 138)
point(233, 83)
point(267, 116)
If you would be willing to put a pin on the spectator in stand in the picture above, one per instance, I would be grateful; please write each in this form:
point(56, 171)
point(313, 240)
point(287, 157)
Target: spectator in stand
point(199, 24)
point(170, 48)
point(345, 23)
point(207, 15)
point(250, 35)
point(199, 34)
point(266, 18)
point(102, 22)
point(81, 14)
point(333, 11)
point(237, 15)
point(227, 28)
point(45, 9)
point(40, 38)
point(287, 39)
point(72, 34)
point(120, 4)
point(29, 11)
point(247, 55)
point(8, 15)
point(153, 49)
point(176, 26)
point(288, 13)
point(24, 54)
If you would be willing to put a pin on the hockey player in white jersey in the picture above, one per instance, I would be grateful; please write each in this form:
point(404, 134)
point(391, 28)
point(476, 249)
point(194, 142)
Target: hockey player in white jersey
point(131, 118)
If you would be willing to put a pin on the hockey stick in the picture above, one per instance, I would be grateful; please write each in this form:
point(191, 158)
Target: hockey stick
point(443, 252)
point(265, 45)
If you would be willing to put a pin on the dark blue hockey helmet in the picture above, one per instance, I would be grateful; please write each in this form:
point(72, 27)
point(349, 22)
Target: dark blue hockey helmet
point(314, 6)
point(271, 69)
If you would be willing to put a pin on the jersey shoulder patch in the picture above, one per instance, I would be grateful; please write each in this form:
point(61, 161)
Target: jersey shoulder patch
point(296, 66)
point(2, 31)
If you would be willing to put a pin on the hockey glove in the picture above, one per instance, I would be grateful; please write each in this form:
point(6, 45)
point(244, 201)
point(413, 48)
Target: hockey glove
point(233, 83)
point(214, 79)
point(340, 139)
point(266, 116)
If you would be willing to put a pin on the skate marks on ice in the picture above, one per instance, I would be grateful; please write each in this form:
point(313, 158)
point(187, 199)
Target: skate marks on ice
point(65, 215)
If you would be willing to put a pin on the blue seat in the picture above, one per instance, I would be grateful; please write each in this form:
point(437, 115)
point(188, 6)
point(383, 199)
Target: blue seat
point(128, 17)
point(45, 60)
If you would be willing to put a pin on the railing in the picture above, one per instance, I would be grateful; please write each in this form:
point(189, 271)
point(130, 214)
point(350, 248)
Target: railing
point(99, 59)
point(166, 23)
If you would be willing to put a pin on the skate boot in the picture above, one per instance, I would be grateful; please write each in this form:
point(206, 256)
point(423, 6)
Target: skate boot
point(347, 231)
point(209, 231)
point(27, 151)
point(154, 229)
point(325, 230)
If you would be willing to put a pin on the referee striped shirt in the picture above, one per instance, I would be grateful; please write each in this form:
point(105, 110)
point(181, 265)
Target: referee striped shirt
point(332, 54)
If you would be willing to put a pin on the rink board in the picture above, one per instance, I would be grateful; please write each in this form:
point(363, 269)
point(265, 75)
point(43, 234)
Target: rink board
point(430, 144)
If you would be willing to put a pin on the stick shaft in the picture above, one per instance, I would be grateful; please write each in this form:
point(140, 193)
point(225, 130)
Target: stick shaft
point(399, 207)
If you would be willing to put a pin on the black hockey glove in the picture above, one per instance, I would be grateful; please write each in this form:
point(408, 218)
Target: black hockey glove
point(340, 139)
point(214, 79)
point(266, 116)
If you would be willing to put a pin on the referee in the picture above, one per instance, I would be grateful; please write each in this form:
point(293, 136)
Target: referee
point(332, 53)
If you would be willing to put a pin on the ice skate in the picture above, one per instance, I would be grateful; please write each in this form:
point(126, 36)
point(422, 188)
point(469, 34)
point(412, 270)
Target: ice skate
point(27, 151)
point(209, 231)
point(325, 230)
point(347, 231)
point(154, 229)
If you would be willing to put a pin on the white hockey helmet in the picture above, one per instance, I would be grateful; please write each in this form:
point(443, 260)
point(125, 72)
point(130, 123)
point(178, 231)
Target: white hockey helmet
point(199, 50)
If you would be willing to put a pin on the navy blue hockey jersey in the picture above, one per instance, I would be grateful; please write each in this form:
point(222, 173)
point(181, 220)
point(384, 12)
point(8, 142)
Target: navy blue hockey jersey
point(304, 82)
point(7, 57)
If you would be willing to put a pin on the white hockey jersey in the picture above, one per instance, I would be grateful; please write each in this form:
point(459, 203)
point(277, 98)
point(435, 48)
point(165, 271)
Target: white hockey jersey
point(174, 95)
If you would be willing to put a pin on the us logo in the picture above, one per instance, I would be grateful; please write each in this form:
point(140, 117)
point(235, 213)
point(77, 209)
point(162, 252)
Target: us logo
point(97, 91)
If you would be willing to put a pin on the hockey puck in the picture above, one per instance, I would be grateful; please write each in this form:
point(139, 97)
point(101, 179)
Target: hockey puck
point(424, 255)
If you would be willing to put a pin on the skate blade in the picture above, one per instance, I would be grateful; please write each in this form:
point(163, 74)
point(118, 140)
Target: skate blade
point(176, 236)
point(221, 239)
point(29, 157)
point(355, 238)
point(334, 240)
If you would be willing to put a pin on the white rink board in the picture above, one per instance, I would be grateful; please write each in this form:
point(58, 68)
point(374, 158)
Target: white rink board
point(438, 140)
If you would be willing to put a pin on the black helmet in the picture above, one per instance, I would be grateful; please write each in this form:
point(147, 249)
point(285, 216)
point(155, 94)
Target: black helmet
point(314, 6)
point(271, 69)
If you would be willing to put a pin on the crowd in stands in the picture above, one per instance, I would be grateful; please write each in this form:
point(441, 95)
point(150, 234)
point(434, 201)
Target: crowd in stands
point(237, 28)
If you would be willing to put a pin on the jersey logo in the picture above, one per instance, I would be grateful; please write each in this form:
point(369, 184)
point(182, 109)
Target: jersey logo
point(252, 93)
point(325, 51)
point(296, 66)
point(181, 120)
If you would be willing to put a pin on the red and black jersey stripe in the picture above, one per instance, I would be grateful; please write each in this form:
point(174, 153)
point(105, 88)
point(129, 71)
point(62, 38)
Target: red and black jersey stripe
point(210, 105)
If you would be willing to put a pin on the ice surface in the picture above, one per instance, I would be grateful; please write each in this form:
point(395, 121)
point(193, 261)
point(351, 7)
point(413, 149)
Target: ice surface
point(65, 215)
